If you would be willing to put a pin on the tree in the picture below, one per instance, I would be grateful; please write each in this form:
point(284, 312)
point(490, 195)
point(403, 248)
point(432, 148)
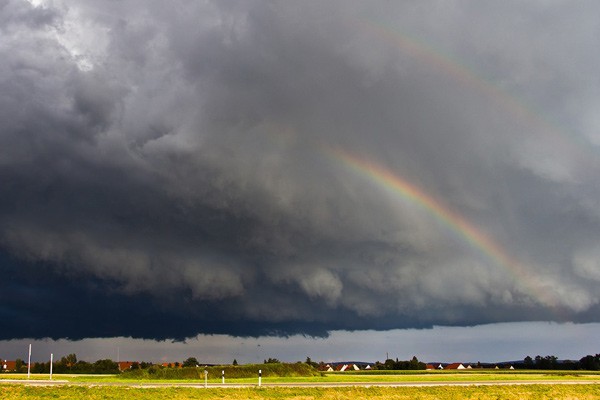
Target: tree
point(310, 362)
point(83, 367)
point(415, 364)
point(19, 364)
point(390, 364)
point(190, 362)
point(40, 368)
point(105, 366)
point(69, 361)
point(590, 363)
point(235, 362)
point(548, 362)
point(272, 361)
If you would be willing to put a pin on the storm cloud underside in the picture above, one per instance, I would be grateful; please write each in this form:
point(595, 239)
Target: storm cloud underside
point(173, 169)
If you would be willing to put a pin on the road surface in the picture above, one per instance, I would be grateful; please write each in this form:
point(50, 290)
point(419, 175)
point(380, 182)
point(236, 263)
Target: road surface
point(33, 382)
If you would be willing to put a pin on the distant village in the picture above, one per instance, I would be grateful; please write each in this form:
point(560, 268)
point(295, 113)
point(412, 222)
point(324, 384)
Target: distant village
point(70, 364)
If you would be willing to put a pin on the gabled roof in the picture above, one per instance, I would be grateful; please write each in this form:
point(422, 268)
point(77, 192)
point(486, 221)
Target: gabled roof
point(326, 368)
point(347, 367)
point(341, 367)
point(9, 365)
point(123, 365)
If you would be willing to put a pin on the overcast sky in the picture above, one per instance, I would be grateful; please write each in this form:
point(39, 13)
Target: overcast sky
point(255, 169)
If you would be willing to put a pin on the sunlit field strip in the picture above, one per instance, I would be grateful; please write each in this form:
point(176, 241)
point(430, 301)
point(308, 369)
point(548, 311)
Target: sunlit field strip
point(17, 392)
point(375, 376)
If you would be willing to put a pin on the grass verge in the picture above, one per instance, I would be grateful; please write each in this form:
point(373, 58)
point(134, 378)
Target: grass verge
point(214, 376)
point(17, 392)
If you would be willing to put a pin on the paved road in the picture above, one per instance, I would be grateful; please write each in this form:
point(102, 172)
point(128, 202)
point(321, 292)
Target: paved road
point(305, 384)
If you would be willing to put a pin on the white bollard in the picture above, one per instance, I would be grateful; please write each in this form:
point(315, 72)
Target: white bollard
point(259, 376)
point(205, 379)
point(29, 363)
point(51, 362)
point(223, 376)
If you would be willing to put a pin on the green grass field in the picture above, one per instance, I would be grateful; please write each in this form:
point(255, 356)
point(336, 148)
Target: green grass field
point(16, 392)
point(100, 386)
point(363, 376)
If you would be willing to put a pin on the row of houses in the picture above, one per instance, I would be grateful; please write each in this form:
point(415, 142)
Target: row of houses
point(11, 366)
point(342, 367)
point(463, 366)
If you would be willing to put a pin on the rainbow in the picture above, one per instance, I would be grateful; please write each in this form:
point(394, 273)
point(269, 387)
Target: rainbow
point(466, 76)
point(451, 219)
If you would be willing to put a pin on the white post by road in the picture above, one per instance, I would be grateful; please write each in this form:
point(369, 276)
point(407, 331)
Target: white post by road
point(259, 376)
point(223, 376)
point(29, 363)
point(205, 379)
point(51, 361)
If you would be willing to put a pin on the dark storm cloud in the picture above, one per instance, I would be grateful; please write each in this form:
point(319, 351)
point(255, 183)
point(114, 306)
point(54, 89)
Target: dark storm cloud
point(167, 170)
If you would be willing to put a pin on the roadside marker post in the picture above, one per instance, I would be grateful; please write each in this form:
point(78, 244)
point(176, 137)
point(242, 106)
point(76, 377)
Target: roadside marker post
point(223, 376)
point(29, 363)
point(51, 362)
point(205, 379)
point(259, 376)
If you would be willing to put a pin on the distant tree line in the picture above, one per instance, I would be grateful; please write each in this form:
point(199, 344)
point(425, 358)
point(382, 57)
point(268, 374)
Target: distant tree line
point(141, 365)
point(70, 365)
point(271, 361)
point(390, 364)
point(589, 362)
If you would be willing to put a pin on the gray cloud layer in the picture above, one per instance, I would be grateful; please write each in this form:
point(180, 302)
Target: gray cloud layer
point(177, 157)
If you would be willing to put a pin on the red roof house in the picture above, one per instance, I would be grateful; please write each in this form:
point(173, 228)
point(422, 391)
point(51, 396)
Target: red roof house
point(123, 365)
point(8, 366)
point(455, 366)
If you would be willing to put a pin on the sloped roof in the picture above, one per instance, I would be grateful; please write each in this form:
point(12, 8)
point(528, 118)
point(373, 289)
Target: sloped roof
point(8, 365)
point(123, 365)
